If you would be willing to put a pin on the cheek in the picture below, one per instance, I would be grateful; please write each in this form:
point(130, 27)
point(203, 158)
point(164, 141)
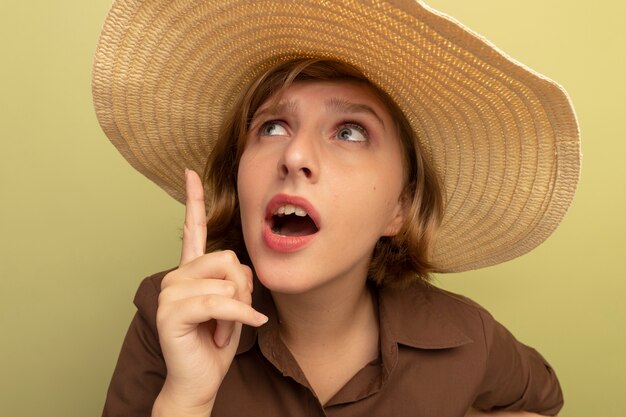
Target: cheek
point(370, 203)
point(249, 171)
point(384, 191)
point(255, 163)
point(253, 176)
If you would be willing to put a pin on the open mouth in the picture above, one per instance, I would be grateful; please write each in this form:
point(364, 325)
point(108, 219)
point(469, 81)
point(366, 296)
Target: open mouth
point(291, 220)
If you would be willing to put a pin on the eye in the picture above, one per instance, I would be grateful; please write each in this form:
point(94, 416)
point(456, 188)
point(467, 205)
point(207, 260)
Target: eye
point(352, 132)
point(272, 128)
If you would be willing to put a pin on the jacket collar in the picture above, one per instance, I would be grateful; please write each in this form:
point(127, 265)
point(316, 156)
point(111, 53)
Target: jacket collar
point(413, 319)
point(407, 316)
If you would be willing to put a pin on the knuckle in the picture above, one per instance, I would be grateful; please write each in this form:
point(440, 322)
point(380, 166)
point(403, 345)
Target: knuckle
point(209, 302)
point(162, 299)
point(165, 296)
point(162, 317)
point(230, 287)
point(190, 226)
point(229, 256)
point(247, 271)
point(168, 278)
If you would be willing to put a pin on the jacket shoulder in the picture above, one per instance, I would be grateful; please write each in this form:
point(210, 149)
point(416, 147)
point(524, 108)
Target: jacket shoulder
point(147, 297)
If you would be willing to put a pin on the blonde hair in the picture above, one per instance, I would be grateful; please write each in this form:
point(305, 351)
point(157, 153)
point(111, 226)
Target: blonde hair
point(396, 260)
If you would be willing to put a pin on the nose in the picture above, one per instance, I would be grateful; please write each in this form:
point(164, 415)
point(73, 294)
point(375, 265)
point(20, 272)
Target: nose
point(300, 157)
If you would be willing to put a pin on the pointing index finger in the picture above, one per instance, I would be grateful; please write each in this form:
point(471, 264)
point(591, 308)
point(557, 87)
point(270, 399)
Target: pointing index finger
point(194, 229)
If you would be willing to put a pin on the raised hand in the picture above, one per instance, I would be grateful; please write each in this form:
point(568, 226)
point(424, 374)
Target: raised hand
point(202, 306)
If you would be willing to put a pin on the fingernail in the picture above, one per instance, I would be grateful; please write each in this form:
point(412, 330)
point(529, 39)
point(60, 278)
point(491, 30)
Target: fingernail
point(186, 172)
point(261, 318)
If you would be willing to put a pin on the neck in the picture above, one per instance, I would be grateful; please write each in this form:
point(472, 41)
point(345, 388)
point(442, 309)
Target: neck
point(319, 322)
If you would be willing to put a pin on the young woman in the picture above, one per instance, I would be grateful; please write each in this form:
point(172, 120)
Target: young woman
point(304, 290)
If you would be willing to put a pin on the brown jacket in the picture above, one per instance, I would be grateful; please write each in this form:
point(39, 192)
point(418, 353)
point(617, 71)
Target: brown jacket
point(440, 354)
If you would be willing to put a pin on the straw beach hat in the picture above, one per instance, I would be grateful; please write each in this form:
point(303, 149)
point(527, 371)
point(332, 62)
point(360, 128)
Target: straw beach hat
point(503, 139)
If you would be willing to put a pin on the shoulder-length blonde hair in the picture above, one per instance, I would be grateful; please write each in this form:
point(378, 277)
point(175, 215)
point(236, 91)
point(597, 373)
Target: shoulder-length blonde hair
point(396, 260)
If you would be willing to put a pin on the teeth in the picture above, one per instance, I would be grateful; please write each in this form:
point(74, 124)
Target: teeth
point(288, 209)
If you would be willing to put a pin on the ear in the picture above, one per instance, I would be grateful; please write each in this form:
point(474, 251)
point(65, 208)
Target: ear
point(399, 216)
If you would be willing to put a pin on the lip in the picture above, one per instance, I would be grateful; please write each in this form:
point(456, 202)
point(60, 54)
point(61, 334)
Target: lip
point(288, 243)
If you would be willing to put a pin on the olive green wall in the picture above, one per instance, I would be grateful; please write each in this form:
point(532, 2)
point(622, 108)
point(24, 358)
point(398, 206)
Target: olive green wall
point(79, 228)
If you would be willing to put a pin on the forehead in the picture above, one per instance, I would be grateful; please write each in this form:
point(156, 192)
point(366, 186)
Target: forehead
point(331, 93)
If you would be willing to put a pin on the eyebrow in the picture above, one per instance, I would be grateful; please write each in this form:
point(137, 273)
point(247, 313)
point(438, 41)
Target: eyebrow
point(345, 106)
point(336, 105)
point(277, 107)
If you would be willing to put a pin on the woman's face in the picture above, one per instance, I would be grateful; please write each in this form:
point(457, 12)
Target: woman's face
point(319, 183)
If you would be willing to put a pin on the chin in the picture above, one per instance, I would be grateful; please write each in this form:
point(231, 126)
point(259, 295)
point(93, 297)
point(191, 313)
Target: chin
point(279, 280)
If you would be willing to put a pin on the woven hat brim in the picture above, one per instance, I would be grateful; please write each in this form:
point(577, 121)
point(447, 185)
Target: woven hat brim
point(503, 139)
